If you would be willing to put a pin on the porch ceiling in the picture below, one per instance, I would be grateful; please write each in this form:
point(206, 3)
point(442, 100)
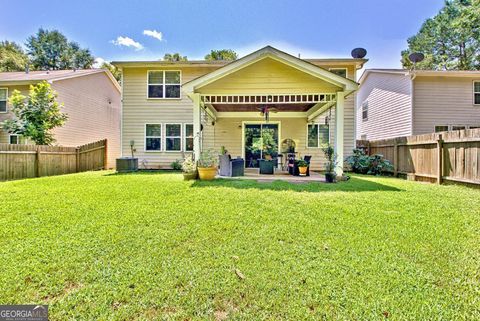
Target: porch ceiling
point(300, 107)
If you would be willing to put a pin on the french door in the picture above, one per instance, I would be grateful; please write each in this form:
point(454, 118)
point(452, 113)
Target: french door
point(261, 142)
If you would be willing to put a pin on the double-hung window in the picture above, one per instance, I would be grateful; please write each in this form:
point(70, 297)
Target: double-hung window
point(164, 84)
point(173, 137)
point(188, 144)
point(153, 137)
point(365, 110)
point(318, 135)
point(476, 92)
point(3, 100)
point(14, 139)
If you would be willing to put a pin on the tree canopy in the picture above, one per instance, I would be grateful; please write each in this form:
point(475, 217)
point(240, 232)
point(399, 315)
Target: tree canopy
point(12, 57)
point(52, 50)
point(114, 70)
point(174, 57)
point(35, 115)
point(450, 40)
point(222, 54)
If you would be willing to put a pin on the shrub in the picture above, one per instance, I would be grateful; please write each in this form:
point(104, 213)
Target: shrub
point(176, 165)
point(188, 165)
point(207, 159)
point(371, 165)
point(331, 158)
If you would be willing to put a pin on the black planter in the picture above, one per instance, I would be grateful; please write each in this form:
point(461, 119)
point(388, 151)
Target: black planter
point(330, 177)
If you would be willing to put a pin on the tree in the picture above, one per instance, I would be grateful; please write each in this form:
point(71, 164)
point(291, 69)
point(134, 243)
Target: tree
point(174, 57)
point(450, 40)
point(113, 69)
point(12, 57)
point(223, 54)
point(35, 115)
point(52, 50)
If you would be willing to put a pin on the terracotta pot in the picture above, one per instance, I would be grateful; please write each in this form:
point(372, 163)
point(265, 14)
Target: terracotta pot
point(189, 176)
point(303, 170)
point(207, 173)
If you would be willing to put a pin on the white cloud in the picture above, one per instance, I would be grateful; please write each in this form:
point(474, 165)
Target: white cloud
point(154, 34)
point(98, 62)
point(127, 42)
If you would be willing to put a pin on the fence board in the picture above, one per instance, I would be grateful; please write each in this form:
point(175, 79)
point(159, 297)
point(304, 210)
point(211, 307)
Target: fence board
point(27, 161)
point(457, 152)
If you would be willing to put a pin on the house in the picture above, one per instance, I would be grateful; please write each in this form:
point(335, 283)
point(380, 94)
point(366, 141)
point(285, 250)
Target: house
point(396, 102)
point(173, 108)
point(91, 99)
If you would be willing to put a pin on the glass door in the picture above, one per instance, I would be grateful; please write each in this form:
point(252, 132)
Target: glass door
point(261, 142)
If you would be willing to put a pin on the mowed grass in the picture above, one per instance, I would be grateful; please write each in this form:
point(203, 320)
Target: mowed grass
point(149, 246)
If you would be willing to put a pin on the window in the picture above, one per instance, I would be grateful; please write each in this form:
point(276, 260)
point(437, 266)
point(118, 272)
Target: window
point(3, 100)
point(365, 110)
point(14, 139)
point(318, 135)
point(173, 137)
point(476, 92)
point(458, 127)
point(153, 137)
point(441, 128)
point(188, 137)
point(339, 71)
point(164, 84)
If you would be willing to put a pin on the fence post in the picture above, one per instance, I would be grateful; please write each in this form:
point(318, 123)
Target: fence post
point(395, 157)
point(105, 155)
point(439, 159)
point(77, 159)
point(37, 162)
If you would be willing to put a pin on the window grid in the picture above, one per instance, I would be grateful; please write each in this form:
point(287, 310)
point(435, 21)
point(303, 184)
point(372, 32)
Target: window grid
point(153, 143)
point(476, 92)
point(3, 100)
point(173, 138)
point(365, 110)
point(164, 85)
point(188, 138)
point(321, 136)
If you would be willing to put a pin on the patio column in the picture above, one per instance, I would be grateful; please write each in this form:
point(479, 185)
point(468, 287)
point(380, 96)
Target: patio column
point(196, 125)
point(339, 128)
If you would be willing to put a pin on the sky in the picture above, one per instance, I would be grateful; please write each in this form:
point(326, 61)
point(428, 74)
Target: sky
point(146, 30)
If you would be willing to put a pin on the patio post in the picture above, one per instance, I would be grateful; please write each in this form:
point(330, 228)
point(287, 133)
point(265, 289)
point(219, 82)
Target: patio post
point(339, 129)
point(196, 125)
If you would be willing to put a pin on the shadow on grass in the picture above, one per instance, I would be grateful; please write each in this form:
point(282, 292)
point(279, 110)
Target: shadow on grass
point(145, 172)
point(355, 184)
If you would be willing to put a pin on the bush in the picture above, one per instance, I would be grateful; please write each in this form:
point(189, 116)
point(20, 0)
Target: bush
point(371, 165)
point(176, 165)
point(208, 159)
point(188, 165)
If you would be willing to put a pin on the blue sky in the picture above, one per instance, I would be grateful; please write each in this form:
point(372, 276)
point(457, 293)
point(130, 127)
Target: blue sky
point(312, 28)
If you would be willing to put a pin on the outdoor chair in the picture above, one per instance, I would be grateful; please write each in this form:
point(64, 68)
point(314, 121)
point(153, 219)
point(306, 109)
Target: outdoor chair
point(231, 167)
point(267, 166)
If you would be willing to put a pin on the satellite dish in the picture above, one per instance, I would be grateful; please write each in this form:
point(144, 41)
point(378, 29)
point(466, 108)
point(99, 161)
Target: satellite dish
point(359, 53)
point(416, 57)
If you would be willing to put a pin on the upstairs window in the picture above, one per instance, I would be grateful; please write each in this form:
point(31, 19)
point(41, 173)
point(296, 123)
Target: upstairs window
point(3, 100)
point(318, 135)
point(339, 71)
point(164, 84)
point(441, 128)
point(365, 110)
point(476, 92)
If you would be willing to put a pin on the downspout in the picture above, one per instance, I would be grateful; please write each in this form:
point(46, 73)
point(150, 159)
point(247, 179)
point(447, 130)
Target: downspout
point(413, 75)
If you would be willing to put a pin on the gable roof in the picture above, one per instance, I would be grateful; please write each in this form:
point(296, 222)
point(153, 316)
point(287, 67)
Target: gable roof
point(21, 77)
point(270, 52)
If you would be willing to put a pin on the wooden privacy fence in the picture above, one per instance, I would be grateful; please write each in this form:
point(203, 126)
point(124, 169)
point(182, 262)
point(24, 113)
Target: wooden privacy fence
point(26, 161)
point(450, 156)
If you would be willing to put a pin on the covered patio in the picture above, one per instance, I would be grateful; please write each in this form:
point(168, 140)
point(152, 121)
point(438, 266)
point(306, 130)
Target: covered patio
point(233, 107)
point(253, 174)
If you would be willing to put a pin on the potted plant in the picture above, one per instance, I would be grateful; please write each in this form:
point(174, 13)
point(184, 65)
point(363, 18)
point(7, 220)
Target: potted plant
point(189, 169)
point(330, 174)
point(302, 167)
point(207, 165)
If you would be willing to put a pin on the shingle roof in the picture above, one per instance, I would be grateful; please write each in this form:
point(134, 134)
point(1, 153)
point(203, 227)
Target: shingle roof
point(46, 75)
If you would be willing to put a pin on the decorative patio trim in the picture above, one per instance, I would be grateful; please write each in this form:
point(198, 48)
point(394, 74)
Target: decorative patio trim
point(268, 98)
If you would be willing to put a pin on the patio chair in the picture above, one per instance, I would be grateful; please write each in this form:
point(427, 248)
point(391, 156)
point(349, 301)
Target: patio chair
point(231, 167)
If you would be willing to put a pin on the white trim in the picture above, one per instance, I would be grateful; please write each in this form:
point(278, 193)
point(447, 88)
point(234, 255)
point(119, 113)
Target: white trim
point(260, 122)
point(475, 92)
point(6, 100)
point(254, 114)
point(318, 134)
point(164, 84)
point(337, 68)
point(165, 138)
point(363, 105)
point(18, 139)
point(184, 139)
point(145, 138)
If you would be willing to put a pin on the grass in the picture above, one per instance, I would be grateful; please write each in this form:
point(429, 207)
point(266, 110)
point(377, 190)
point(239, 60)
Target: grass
point(101, 246)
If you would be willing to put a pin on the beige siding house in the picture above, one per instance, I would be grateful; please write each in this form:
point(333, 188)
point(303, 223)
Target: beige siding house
point(174, 108)
point(393, 102)
point(91, 99)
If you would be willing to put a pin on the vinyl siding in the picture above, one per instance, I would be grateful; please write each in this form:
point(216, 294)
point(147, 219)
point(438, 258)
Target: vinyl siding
point(389, 106)
point(443, 101)
point(4, 136)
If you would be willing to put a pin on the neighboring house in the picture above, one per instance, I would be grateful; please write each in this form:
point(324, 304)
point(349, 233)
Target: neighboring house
point(91, 99)
point(395, 102)
point(173, 108)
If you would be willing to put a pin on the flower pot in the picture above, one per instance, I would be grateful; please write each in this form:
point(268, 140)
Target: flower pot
point(330, 177)
point(303, 170)
point(189, 176)
point(207, 173)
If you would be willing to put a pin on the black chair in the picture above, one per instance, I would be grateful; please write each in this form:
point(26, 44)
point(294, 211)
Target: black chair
point(296, 171)
point(267, 166)
point(291, 163)
point(231, 167)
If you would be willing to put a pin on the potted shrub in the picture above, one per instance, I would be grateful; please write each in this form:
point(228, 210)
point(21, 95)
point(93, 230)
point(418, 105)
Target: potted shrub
point(189, 169)
point(330, 174)
point(207, 165)
point(302, 167)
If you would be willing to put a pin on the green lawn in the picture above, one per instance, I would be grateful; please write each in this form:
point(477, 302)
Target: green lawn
point(101, 246)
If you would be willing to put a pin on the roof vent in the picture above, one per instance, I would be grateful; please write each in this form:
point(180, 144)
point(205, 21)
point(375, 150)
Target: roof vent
point(359, 53)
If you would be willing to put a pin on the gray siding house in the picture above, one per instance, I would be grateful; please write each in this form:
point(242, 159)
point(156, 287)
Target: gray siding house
point(396, 102)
